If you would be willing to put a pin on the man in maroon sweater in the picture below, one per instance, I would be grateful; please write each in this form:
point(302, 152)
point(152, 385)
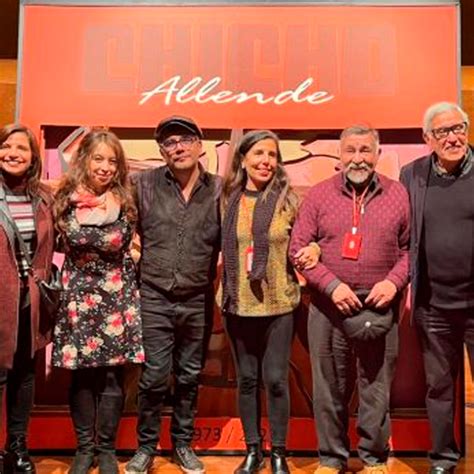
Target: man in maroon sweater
point(360, 220)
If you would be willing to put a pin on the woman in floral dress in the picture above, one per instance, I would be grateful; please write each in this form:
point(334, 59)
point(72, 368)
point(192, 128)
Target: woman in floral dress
point(98, 328)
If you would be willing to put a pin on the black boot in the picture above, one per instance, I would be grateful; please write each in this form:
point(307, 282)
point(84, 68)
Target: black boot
point(108, 419)
point(5, 465)
point(17, 452)
point(278, 460)
point(83, 412)
point(253, 462)
point(4, 469)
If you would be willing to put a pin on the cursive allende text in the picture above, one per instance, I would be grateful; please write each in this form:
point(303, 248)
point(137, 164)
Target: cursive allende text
point(201, 92)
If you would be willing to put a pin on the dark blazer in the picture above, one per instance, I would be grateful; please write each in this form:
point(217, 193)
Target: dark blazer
point(414, 176)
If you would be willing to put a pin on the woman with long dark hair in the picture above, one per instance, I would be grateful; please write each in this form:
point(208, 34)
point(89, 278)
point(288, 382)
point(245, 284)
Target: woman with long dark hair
point(260, 288)
point(25, 215)
point(99, 327)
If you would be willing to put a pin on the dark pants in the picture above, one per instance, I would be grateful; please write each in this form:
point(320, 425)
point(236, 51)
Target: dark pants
point(261, 347)
point(332, 357)
point(20, 381)
point(443, 334)
point(175, 335)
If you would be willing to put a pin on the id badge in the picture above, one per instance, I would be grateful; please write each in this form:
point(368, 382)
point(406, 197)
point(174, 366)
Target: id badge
point(249, 258)
point(351, 246)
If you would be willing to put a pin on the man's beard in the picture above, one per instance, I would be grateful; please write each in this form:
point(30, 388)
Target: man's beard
point(356, 177)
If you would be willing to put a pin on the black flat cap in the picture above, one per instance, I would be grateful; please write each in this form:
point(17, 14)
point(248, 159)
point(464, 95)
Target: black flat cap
point(177, 122)
point(369, 323)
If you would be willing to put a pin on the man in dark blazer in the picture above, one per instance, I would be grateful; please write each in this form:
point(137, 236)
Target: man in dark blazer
point(440, 186)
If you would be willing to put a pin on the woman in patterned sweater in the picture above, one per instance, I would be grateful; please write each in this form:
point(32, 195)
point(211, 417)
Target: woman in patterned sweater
point(98, 329)
point(25, 207)
point(260, 289)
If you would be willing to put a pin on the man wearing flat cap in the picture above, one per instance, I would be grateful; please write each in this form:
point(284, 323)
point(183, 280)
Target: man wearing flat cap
point(360, 219)
point(179, 226)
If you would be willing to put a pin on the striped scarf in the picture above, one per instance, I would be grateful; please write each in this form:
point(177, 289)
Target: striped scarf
point(21, 211)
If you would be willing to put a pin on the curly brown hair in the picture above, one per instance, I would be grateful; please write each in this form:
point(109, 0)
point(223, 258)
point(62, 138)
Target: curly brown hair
point(33, 173)
point(77, 175)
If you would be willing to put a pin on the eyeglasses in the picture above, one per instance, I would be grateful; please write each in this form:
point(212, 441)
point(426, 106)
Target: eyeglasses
point(443, 132)
point(171, 144)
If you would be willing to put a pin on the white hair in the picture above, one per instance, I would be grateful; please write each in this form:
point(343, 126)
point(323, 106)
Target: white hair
point(439, 108)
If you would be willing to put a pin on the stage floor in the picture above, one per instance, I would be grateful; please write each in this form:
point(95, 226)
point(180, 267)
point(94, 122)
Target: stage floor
point(227, 464)
point(298, 465)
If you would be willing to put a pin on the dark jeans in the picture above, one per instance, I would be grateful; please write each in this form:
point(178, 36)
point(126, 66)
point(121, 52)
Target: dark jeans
point(261, 347)
point(332, 357)
point(20, 381)
point(175, 335)
point(443, 334)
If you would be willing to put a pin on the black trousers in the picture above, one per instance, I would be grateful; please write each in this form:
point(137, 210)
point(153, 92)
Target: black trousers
point(332, 356)
point(176, 330)
point(443, 334)
point(261, 348)
point(19, 381)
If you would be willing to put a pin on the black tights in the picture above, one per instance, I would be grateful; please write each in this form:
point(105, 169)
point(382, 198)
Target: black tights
point(98, 381)
point(96, 399)
point(262, 345)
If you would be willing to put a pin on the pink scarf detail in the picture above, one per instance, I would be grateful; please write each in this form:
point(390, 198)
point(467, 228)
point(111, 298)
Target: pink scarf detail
point(95, 210)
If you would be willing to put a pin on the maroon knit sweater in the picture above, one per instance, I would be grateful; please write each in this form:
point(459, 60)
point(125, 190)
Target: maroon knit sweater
point(326, 215)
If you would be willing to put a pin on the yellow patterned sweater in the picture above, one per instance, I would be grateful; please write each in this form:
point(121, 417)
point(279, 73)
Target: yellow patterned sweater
point(280, 293)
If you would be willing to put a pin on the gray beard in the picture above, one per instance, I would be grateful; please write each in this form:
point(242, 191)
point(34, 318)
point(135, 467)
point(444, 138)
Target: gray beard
point(359, 183)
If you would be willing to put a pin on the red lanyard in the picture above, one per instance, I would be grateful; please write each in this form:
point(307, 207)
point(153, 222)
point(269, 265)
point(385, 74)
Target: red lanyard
point(357, 208)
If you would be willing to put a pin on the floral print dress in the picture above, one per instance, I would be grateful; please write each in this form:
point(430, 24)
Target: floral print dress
point(99, 320)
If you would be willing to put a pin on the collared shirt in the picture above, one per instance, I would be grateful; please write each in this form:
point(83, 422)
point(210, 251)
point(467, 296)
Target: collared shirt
point(464, 167)
point(180, 239)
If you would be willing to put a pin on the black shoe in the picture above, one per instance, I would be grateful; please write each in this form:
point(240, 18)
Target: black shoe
point(441, 470)
point(139, 464)
point(19, 457)
point(107, 463)
point(253, 462)
point(278, 461)
point(186, 459)
point(82, 463)
point(5, 466)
